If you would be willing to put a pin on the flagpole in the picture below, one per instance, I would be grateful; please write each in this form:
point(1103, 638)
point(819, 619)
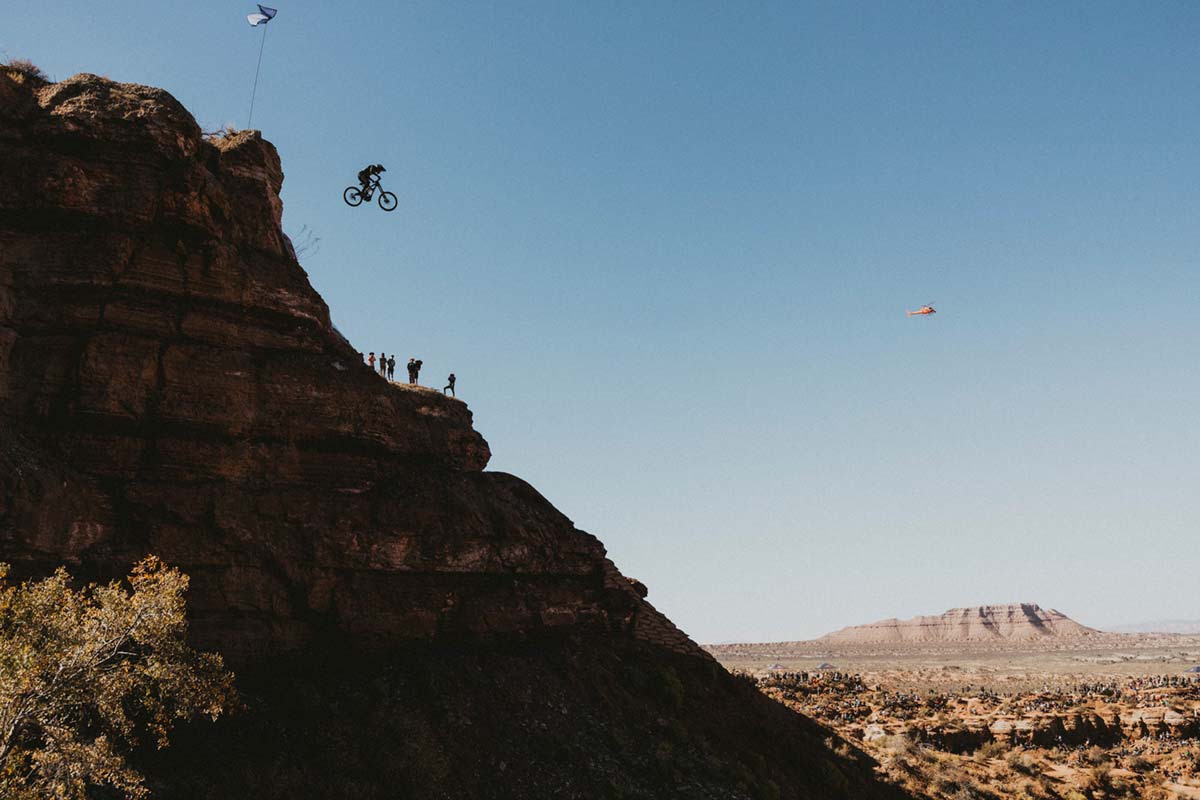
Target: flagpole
point(254, 91)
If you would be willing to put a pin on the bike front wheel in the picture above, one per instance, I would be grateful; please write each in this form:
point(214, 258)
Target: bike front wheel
point(388, 201)
point(352, 196)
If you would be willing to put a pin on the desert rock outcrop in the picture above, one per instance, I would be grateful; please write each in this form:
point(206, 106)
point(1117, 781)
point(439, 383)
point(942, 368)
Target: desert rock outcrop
point(1016, 621)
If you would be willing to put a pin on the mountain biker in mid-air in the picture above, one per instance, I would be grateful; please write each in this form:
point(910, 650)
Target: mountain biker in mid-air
point(368, 180)
point(367, 173)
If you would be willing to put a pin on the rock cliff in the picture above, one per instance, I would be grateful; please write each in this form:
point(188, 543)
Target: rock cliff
point(1017, 621)
point(165, 361)
point(170, 383)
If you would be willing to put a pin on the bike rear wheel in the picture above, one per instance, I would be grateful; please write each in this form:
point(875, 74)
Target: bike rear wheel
point(352, 196)
point(388, 201)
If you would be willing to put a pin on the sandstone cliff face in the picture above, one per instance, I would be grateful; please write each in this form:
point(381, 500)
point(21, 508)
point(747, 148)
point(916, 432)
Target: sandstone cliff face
point(403, 623)
point(171, 383)
point(1019, 621)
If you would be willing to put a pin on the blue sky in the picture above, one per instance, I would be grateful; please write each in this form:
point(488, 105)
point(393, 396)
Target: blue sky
point(667, 248)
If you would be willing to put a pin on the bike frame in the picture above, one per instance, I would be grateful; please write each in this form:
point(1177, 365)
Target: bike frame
point(372, 185)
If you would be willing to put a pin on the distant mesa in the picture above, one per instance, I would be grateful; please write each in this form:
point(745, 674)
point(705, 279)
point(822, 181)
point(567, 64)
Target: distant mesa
point(1013, 622)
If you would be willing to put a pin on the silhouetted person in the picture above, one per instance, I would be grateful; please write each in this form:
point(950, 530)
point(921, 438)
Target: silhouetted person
point(383, 364)
point(416, 370)
point(450, 386)
point(412, 374)
point(391, 366)
point(371, 361)
point(366, 173)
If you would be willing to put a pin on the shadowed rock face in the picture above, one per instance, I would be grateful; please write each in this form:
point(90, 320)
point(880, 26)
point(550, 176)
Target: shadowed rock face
point(170, 383)
point(1017, 621)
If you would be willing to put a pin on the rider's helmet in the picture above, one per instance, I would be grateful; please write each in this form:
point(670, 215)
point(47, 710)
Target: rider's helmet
point(379, 168)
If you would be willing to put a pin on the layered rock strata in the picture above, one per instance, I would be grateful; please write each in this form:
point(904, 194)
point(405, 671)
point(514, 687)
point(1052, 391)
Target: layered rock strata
point(170, 383)
point(1018, 621)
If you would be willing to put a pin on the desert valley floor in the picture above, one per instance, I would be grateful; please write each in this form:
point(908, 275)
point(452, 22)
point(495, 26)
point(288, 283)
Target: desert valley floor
point(1077, 717)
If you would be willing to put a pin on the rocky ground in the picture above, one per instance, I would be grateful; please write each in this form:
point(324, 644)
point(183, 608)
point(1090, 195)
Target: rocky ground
point(1110, 717)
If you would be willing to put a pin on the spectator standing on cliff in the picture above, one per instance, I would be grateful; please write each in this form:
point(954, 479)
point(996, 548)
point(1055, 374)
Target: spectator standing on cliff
point(383, 364)
point(450, 385)
point(391, 366)
point(414, 369)
point(371, 361)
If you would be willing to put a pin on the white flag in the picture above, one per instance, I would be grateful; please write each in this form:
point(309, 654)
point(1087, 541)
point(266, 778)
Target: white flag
point(264, 15)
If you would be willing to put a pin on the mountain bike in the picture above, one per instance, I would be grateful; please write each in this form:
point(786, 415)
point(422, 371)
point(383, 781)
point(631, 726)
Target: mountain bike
point(355, 195)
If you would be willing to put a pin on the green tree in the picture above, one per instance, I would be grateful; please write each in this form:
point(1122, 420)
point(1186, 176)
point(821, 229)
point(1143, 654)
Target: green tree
point(85, 674)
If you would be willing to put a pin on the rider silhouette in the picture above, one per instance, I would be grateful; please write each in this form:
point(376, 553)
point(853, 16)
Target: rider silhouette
point(368, 172)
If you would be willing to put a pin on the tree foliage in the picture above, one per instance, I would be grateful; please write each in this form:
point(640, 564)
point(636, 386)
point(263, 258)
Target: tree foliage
point(87, 674)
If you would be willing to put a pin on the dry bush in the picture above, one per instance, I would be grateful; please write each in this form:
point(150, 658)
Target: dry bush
point(946, 785)
point(966, 793)
point(226, 131)
point(27, 68)
point(1020, 762)
point(1096, 779)
point(949, 779)
point(1028, 790)
point(1140, 764)
point(898, 745)
point(993, 749)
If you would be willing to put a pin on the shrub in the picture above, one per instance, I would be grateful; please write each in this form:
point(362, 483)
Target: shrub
point(26, 68)
point(84, 674)
point(899, 744)
point(992, 749)
point(1096, 779)
point(1020, 762)
point(1140, 764)
point(226, 131)
point(669, 688)
point(971, 792)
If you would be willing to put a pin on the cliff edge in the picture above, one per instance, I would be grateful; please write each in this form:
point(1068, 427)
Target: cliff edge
point(404, 622)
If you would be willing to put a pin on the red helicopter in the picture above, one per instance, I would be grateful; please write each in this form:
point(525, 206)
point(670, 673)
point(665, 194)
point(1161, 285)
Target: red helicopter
point(923, 310)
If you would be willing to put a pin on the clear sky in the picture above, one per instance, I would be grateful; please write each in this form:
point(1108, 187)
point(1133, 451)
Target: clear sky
point(667, 248)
